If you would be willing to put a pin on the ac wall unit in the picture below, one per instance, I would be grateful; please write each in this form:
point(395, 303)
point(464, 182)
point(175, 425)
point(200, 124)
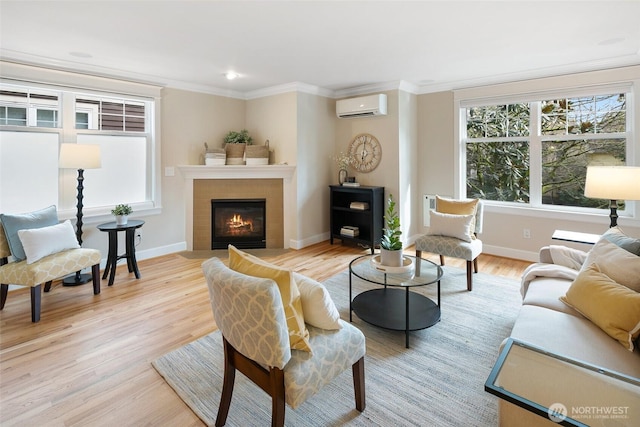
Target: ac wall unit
point(363, 106)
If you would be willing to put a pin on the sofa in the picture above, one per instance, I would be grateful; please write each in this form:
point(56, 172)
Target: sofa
point(584, 306)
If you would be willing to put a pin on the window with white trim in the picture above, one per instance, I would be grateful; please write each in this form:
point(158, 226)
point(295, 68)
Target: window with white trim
point(35, 121)
point(535, 151)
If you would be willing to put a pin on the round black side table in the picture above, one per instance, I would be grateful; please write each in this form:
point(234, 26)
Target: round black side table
point(130, 248)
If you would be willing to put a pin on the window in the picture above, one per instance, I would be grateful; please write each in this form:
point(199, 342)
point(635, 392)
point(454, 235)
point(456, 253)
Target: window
point(32, 126)
point(536, 151)
point(29, 108)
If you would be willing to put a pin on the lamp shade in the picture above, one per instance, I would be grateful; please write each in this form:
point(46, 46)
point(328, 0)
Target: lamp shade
point(613, 182)
point(79, 156)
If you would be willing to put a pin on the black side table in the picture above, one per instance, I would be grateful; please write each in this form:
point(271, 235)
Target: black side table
point(130, 249)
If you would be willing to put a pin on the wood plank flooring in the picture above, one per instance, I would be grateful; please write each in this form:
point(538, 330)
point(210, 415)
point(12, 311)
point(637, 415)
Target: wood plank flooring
point(88, 361)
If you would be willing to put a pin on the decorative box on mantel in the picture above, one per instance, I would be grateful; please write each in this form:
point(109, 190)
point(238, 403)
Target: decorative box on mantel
point(239, 172)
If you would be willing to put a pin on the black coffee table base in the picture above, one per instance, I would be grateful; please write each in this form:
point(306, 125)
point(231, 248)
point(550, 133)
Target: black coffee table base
point(388, 308)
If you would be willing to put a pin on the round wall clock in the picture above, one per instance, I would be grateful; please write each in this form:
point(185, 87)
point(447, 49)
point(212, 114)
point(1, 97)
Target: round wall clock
point(366, 152)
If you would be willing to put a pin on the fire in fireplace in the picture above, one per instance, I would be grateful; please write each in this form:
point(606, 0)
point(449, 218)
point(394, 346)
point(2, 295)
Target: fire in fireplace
point(240, 222)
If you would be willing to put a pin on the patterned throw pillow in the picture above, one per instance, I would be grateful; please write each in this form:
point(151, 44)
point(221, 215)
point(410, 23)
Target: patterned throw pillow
point(250, 265)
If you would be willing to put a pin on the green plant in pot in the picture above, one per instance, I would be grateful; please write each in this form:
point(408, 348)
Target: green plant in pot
point(391, 245)
point(235, 143)
point(121, 212)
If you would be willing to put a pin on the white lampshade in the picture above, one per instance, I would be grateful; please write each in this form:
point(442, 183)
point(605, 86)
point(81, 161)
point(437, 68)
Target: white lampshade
point(79, 156)
point(613, 182)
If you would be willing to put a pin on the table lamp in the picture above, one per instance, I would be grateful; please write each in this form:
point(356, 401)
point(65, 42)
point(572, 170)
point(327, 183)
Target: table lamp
point(613, 183)
point(80, 157)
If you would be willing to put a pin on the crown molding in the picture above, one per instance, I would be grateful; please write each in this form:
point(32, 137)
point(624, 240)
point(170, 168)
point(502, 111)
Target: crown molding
point(576, 68)
point(289, 87)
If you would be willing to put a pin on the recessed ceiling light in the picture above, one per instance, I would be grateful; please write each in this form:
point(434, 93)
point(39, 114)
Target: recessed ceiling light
point(230, 75)
point(81, 54)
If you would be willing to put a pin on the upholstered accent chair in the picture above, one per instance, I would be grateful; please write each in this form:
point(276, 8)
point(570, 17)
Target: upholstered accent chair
point(250, 314)
point(45, 270)
point(454, 235)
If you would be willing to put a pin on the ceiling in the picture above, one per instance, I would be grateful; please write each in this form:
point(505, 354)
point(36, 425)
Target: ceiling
point(337, 47)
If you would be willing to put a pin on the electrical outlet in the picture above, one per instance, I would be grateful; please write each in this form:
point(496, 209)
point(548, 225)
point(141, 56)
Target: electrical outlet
point(526, 233)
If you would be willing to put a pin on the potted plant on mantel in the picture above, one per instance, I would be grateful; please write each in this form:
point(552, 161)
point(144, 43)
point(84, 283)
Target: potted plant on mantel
point(391, 245)
point(235, 143)
point(121, 212)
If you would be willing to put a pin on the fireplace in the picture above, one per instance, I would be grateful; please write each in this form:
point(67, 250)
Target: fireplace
point(240, 222)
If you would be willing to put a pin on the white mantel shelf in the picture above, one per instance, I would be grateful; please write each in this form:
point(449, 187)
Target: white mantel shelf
point(237, 171)
point(196, 172)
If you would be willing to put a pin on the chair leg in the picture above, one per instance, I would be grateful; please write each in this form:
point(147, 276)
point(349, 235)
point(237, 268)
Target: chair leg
point(227, 385)
point(441, 260)
point(277, 397)
point(475, 264)
point(95, 275)
point(469, 283)
point(358, 384)
point(4, 291)
point(36, 296)
point(47, 286)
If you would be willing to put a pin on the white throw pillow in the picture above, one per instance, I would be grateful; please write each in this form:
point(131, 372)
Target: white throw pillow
point(40, 242)
point(317, 305)
point(458, 226)
point(620, 265)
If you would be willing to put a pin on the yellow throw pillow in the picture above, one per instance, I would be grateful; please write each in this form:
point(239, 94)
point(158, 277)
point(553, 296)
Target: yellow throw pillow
point(459, 207)
point(250, 265)
point(614, 308)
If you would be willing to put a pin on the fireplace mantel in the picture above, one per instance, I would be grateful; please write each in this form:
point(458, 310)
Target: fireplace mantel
point(197, 172)
point(237, 171)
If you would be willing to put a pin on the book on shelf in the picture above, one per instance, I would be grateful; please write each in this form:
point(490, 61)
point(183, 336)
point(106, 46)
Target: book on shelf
point(350, 231)
point(351, 184)
point(361, 206)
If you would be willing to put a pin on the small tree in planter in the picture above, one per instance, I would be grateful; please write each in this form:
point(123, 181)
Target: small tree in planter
point(121, 212)
point(391, 245)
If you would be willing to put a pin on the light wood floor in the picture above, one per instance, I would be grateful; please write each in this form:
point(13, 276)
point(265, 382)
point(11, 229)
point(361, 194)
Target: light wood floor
point(88, 361)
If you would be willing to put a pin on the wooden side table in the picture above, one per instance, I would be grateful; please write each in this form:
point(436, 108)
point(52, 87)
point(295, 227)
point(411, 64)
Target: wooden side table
point(130, 248)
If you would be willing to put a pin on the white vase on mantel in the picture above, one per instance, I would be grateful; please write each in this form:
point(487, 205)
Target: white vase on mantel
point(122, 219)
point(391, 258)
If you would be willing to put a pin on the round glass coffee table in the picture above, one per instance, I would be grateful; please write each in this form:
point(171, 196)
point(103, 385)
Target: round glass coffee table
point(393, 306)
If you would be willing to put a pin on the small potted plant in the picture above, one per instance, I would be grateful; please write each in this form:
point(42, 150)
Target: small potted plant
point(235, 143)
point(391, 245)
point(121, 212)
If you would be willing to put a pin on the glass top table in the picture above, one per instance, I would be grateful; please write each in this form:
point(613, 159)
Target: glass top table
point(392, 305)
point(566, 391)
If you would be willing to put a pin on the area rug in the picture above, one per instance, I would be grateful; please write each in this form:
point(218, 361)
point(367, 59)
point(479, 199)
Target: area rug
point(438, 381)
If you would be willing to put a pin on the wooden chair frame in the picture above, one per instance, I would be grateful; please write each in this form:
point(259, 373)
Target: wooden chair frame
point(272, 382)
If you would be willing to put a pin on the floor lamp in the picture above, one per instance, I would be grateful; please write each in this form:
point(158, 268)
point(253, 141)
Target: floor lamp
point(613, 183)
point(80, 157)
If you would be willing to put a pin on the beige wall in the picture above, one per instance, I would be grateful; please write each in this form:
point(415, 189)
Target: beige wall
point(503, 226)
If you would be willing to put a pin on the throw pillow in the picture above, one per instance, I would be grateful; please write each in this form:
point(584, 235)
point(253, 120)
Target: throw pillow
point(458, 226)
point(317, 305)
point(621, 266)
point(459, 207)
point(37, 219)
point(245, 263)
point(616, 236)
point(612, 307)
point(40, 242)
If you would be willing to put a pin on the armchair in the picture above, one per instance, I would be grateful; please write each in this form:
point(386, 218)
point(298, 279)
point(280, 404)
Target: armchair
point(49, 255)
point(453, 232)
point(250, 314)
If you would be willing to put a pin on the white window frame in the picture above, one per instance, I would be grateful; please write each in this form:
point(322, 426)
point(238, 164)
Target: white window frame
point(103, 88)
point(513, 93)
